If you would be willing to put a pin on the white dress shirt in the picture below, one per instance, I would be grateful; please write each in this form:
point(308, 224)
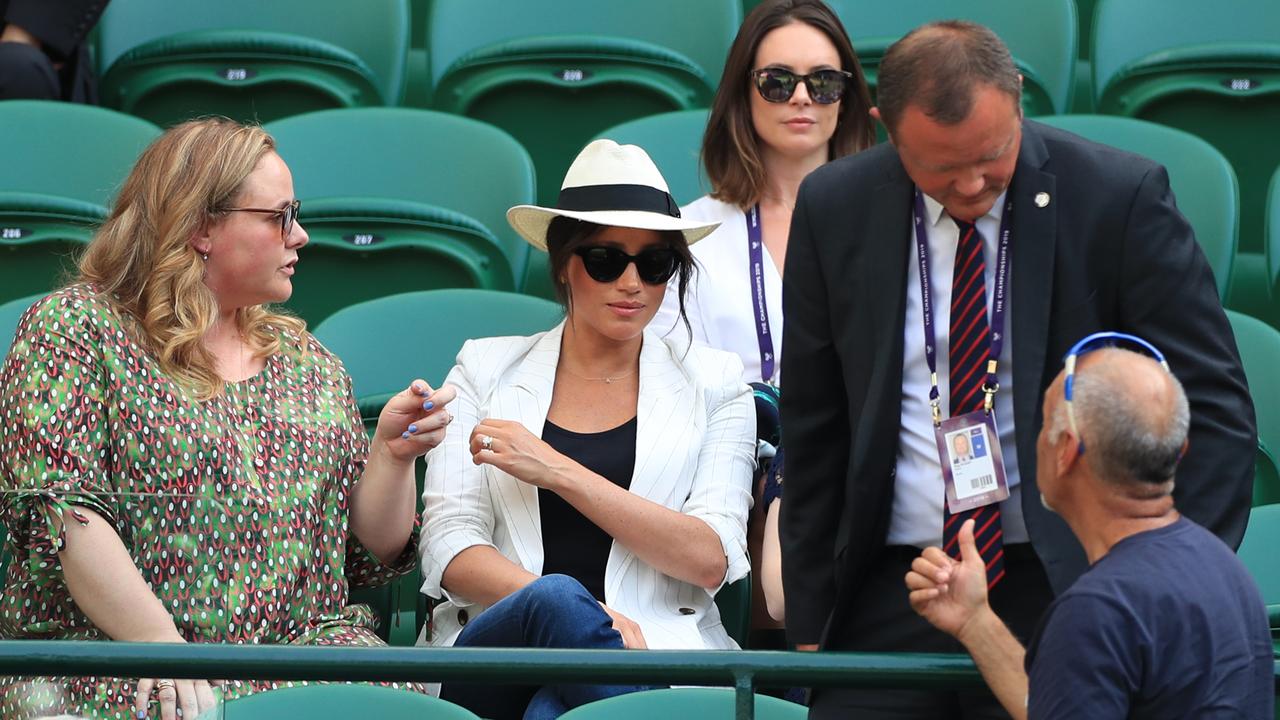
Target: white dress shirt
point(918, 488)
point(718, 302)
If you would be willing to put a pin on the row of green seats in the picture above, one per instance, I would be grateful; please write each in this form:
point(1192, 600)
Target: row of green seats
point(550, 72)
point(420, 200)
point(555, 72)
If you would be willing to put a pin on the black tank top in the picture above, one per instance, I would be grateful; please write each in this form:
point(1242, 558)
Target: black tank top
point(571, 544)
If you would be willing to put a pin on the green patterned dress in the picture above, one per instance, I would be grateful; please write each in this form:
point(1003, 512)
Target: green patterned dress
point(234, 509)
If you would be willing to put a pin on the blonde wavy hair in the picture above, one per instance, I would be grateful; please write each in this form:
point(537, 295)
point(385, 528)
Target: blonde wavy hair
point(142, 262)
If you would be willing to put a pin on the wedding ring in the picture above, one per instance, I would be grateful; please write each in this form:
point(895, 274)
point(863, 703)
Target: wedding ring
point(486, 442)
point(162, 684)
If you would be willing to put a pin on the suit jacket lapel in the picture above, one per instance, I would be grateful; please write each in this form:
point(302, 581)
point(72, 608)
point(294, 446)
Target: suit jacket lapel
point(887, 247)
point(525, 398)
point(1034, 245)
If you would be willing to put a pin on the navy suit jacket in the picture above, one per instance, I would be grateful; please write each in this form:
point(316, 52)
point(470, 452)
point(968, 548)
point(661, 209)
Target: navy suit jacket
point(1110, 251)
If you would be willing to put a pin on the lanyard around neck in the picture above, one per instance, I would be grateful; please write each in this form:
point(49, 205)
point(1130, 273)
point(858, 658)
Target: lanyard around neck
point(1004, 250)
point(755, 252)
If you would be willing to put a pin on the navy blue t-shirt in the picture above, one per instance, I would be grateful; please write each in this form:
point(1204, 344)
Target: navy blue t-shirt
point(1166, 625)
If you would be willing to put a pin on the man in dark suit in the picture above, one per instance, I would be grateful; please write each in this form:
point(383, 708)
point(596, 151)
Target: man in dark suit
point(1062, 237)
point(44, 51)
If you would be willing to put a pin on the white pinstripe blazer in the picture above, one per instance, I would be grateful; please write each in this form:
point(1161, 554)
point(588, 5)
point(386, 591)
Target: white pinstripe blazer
point(695, 453)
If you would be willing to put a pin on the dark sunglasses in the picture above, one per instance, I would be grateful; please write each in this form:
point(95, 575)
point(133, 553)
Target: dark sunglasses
point(777, 85)
point(606, 264)
point(288, 214)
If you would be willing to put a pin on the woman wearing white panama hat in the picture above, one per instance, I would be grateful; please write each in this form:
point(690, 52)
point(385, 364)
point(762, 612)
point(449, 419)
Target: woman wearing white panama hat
point(594, 489)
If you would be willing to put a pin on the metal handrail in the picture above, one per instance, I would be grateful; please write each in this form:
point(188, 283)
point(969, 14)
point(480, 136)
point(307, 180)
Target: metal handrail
point(742, 670)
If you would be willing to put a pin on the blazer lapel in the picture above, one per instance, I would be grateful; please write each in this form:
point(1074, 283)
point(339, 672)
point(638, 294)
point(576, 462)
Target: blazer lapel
point(667, 441)
point(665, 418)
point(525, 398)
point(1034, 246)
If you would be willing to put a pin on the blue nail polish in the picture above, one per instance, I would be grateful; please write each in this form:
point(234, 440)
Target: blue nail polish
point(413, 429)
point(404, 436)
point(428, 405)
point(142, 715)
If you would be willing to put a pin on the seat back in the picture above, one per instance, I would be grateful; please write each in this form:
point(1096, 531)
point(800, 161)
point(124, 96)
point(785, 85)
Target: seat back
point(1201, 178)
point(1259, 346)
point(10, 313)
point(681, 703)
point(1212, 69)
point(68, 161)
point(1266, 478)
point(412, 200)
point(341, 701)
point(734, 603)
point(1258, 553)
point(387, 342)
point(1041, 35)
point(554, 73)
point(168, 60)
point(1272, 251)
point(674, 141)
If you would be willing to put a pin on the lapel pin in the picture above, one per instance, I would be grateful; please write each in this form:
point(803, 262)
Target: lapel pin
point(1042, 199)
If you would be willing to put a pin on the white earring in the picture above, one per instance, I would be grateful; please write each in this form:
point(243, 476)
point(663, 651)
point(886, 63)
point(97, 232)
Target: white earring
point(204, 256)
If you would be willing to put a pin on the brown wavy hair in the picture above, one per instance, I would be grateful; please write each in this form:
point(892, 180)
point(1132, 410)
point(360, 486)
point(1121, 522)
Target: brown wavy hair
point(141, 260)
point(730, 146)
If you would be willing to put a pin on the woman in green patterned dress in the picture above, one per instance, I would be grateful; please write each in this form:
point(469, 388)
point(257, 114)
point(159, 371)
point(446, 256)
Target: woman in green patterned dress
point(180, 463)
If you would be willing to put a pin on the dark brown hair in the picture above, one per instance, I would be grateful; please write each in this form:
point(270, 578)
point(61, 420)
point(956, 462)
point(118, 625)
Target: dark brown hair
point(936, 67)
point(730, 146)
point(565, 234)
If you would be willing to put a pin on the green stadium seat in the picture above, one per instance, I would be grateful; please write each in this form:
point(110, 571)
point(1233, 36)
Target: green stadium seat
point(554, 73)
point(1266, 478)
point(416, 200)
point(734, 603)
point(1259, 346)
point(65, 164)
point(10, 313)
point(1041, 35)
point(339, 701)
point(387, 342)
point(674, 141)
point(398, 605)
point(685, 703)
point(1212, 69)
point(1200, 176)
point(1271, 254)
point(1258, 553)
point(169, 60)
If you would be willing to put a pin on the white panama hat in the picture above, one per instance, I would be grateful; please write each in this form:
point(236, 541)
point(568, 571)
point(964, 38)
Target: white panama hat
point(610, 184)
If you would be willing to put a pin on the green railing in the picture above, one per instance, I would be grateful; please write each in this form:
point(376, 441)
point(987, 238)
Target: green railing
point(741, 670)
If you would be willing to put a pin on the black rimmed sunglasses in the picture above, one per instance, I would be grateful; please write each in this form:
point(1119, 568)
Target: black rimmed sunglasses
point(777, 85)
point(604, 264)
point(287, 214)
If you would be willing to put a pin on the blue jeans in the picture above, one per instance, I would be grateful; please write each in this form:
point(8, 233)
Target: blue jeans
point(554, 611)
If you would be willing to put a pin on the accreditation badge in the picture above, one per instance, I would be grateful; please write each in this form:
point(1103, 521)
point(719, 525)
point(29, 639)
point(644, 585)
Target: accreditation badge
point(972, 465)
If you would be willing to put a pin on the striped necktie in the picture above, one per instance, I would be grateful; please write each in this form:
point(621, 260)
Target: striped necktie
point(968, 350)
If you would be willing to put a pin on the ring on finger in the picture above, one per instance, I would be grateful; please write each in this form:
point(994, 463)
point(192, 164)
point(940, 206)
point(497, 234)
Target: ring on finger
point(486, 442)
point(162, 684)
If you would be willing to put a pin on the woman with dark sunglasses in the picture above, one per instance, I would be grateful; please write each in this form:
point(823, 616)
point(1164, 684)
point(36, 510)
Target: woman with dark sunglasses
point(594, 491)
point(792, 98)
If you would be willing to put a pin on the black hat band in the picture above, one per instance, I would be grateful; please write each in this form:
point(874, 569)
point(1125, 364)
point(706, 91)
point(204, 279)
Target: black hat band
point(596, 198)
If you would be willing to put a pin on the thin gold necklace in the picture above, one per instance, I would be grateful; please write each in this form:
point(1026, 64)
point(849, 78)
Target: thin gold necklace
point(608, 380)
